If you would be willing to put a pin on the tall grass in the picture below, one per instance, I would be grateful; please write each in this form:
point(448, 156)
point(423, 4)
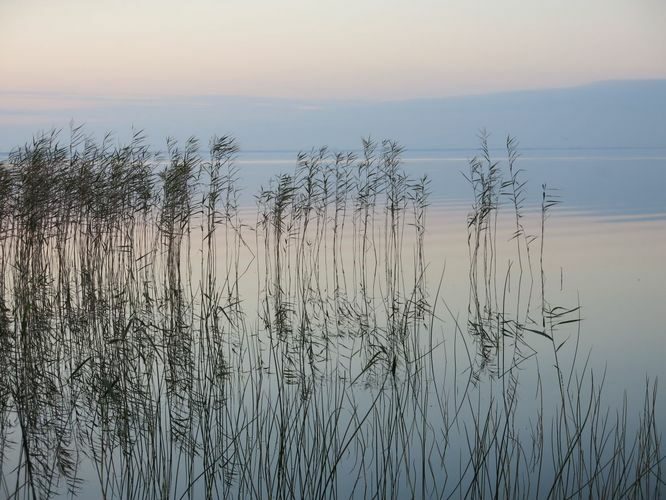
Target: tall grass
point(337, 370)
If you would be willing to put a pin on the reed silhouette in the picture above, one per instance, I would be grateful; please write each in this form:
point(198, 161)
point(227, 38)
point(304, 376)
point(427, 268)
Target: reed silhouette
point(155, 343)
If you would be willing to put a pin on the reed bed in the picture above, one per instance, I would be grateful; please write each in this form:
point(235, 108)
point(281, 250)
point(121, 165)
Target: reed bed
point(153, 344)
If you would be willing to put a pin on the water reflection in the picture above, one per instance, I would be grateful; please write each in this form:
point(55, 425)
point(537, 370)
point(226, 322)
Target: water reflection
point(155, 341)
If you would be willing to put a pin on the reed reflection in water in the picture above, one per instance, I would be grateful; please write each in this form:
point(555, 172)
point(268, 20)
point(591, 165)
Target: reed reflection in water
point(155, 342)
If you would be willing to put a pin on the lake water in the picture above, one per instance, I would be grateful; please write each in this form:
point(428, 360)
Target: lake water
point(346, 348)
point(606, 240)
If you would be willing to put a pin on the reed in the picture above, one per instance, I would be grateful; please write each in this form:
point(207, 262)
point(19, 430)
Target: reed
point(128, 371)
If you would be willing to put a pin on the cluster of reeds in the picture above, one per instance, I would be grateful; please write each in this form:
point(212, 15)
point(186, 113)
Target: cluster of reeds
point(139, 357)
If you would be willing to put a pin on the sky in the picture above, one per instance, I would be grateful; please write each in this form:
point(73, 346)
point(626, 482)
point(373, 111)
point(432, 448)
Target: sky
point(360, 49)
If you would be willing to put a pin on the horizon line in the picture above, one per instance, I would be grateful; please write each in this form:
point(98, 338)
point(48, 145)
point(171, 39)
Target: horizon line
point(138, 96)
point(455, 149)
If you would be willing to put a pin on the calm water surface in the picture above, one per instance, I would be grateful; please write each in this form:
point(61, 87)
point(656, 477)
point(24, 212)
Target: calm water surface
point(603, 251)
point(605, 243)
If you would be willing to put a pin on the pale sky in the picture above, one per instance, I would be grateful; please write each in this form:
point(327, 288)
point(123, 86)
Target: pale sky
point(361, 49)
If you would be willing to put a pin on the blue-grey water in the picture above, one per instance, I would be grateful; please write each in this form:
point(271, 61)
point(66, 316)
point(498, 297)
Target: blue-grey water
point(603, 251)
point(607, 238)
